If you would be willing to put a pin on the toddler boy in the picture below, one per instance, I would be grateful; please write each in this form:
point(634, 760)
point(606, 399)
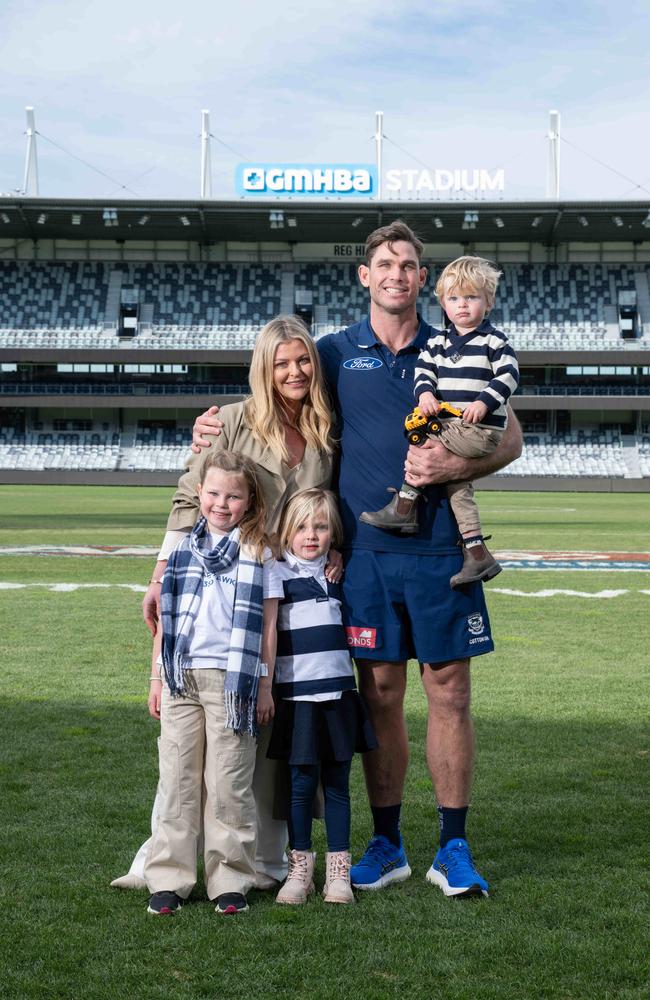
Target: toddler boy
point(472, 366)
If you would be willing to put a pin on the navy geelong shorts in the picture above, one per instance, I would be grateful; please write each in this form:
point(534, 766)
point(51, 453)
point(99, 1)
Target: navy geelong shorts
point(400, 607)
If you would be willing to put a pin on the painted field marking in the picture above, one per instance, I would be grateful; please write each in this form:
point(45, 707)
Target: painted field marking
point(78, 550)
point(66, 588)
point(607, 594)
point(557, 561)
point(138, 588)
point(536, 510)
point(612, 562)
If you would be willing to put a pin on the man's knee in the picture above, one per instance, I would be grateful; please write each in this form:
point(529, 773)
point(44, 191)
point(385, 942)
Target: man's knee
point(383, 686)
point(447, 686)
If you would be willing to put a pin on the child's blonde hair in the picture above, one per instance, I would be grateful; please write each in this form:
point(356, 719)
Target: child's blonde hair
point(306, 504)
point(252, 532)
point(469, 274)
point(262, 409)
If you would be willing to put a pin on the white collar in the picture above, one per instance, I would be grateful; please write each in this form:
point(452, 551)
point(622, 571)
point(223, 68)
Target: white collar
point(306, 567)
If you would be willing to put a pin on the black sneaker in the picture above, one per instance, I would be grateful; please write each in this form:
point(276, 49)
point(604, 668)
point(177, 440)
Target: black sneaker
point(162, 903)
point(231, 903)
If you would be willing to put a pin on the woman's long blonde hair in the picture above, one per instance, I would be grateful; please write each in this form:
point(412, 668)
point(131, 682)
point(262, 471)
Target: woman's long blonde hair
point(262, 409)
point(252, 532)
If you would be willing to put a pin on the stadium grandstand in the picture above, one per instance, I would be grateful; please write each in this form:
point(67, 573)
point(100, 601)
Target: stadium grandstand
point(118, 324)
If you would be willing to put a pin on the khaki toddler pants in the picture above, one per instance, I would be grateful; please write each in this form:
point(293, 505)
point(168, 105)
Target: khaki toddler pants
point(467, 441)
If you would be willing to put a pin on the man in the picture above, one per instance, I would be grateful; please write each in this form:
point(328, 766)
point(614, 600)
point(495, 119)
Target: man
point(396, 587)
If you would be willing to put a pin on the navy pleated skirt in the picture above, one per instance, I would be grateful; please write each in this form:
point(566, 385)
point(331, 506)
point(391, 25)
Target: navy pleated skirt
point(306, 732)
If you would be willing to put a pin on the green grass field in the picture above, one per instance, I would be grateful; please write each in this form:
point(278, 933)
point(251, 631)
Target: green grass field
point(559, 813)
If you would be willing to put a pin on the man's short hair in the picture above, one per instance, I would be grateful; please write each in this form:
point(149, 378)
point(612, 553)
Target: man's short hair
point(394, 233)
point(470, 273)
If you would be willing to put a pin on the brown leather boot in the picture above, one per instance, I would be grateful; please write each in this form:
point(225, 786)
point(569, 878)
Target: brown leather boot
point(401, 514)
point(478, 564)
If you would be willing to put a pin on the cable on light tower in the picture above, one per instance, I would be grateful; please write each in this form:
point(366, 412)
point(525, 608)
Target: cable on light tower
point(553, 167)
point(379, 136)
point(206, 167)
point(30, 182)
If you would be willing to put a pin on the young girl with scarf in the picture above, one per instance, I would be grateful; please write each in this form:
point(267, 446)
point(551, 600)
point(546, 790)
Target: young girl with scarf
point(320, 720)
point(218, 609)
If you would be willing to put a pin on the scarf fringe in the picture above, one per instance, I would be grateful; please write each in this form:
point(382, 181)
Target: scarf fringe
point(241, 713)
point(175, 673)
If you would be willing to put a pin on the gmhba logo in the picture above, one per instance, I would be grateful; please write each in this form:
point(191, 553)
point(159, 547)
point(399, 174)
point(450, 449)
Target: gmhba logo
point(358, 180)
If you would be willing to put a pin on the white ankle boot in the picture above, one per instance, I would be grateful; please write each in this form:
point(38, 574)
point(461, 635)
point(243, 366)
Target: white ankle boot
point(300, 879)
point(337, 887)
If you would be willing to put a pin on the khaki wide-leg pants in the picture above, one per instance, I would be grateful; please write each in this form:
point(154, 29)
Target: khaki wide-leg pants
point(196, 750)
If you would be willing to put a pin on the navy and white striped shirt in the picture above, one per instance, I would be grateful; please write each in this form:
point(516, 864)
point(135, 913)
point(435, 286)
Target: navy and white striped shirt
point(460, 369)
point(313, 660)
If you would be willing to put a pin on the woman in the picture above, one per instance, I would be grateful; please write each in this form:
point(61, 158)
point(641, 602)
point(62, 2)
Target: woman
point(284, 427)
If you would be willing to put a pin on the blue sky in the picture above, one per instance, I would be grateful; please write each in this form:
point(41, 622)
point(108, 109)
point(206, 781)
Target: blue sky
point(462, 83)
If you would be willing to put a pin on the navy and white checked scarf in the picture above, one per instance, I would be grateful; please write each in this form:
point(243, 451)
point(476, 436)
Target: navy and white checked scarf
point(179, 603)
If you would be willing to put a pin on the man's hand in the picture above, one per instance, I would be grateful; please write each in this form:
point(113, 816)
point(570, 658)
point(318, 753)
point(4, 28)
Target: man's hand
point(475, 412)
point(428, 404)
point(265, 706)
point(430, 463)
point(206, 423)
point(155, 698)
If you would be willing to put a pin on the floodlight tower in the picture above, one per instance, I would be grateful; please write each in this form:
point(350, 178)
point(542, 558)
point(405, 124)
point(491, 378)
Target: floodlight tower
point(206, 168)
point(553, 167)
point(379, 136)
point(30, 182)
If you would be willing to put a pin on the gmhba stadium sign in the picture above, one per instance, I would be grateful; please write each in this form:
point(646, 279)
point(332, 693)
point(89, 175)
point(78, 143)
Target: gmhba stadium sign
point(334, 179)
point(438, 181)
point(359, 180)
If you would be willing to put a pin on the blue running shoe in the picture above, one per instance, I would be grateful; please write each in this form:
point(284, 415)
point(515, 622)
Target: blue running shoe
point(453, 870)
point(382, 864)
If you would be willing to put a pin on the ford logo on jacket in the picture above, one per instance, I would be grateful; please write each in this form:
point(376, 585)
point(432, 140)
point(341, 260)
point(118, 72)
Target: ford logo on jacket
point(362, 364)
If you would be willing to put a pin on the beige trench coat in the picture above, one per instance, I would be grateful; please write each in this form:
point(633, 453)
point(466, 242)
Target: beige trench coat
point(278, 483)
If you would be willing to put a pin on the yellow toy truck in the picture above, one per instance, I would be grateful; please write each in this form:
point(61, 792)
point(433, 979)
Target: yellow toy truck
point(417, 426)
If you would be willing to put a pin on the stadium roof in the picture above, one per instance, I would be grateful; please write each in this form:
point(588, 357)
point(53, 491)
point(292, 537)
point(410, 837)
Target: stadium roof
point(332, 221)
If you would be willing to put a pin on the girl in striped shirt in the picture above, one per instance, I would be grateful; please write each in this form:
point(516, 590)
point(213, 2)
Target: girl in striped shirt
point(320, 720)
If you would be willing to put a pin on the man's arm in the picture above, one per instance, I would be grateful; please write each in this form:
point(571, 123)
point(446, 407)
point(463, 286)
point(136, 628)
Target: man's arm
point(431, 463)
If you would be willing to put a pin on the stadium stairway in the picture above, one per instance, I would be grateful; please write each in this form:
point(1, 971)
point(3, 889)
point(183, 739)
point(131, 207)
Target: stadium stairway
point(643, 301)
point(630, 456)
point(610, 314)
point(287, 290)
point(113, 296)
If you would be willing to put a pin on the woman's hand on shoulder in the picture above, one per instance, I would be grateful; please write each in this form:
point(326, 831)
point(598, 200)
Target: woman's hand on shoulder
point(206, 423)
point(334, 566)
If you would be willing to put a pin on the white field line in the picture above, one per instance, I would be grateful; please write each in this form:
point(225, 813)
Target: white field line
point(78, 550)
point(65, 588)
point(562, 593)
point(536, 510)
point(137, 588)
